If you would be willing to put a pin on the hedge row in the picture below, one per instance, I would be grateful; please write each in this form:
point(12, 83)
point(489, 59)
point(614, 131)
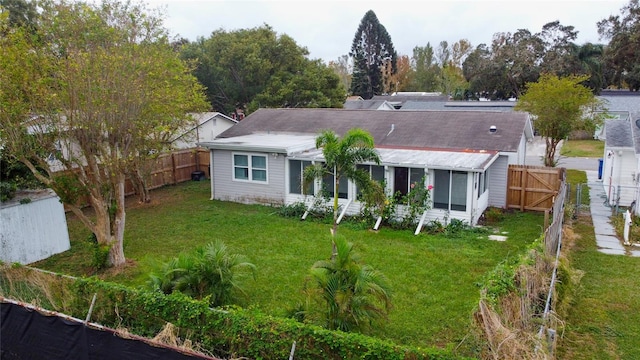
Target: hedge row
point(229, 333)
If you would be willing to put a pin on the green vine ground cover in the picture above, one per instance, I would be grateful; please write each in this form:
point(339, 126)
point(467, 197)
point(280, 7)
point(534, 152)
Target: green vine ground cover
point(434, 277)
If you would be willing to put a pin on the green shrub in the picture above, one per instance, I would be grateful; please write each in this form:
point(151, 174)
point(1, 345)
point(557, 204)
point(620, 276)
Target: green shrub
point(7, 190)
point(209, 272)
point(224, 332)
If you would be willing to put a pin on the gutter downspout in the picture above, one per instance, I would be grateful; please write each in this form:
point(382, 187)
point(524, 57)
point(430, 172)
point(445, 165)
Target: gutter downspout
point(211, 173)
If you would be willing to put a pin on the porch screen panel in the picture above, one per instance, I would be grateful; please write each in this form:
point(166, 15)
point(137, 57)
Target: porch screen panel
point(400, 181)
point(328, 184)
point(459, 191)
point(295, 177)
point(441, 189)
point(377, 173)
point(415, 176)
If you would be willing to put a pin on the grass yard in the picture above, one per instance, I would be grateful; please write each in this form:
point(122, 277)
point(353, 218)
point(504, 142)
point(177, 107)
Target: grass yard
point(434, 277)
point(582, 148)
point(603, 321)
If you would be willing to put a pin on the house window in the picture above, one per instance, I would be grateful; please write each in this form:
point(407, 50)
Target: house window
point(248, 167)
point(375, 172)
point(450, 190)
point(483, 183)
point(404, 177)
point(296, 173)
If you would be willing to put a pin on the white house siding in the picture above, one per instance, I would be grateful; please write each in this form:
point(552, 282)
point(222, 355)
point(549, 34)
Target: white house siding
point(228, 189)
point(498, 172)
point(522, 150)
point(34, 231)
point(619, 172)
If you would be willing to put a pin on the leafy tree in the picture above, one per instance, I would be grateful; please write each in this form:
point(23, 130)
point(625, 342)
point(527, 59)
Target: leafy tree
point(347, 294)
point(22, 13)
point(426, 71)
point(559, 49)
point(341, 156)
point(343, 67)
point(559, 106)
point(208, 272)
point(313, 86)
point(237, 67)
point(371, 49)
point(103, 80)
point(623, 51)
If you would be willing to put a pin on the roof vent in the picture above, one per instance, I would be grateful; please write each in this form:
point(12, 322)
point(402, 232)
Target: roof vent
point(638, 122)
point(493, 129)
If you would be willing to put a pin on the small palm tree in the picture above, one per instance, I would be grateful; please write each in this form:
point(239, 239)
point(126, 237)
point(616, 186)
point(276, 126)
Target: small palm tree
point(341, 159)
point(349, 295)
point(209, 271)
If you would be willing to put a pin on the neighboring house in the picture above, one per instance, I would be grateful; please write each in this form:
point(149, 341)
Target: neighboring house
point(206, 127)
point(621, 162)
point(463, 154)
point(368, 105)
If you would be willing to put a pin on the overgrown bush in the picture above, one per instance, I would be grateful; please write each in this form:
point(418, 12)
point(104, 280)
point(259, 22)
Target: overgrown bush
point(345, 294)
point(209, 272)
point(7, 190)
point(225, 332)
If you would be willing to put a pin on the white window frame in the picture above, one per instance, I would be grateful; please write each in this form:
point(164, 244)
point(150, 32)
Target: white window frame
point(250, 167)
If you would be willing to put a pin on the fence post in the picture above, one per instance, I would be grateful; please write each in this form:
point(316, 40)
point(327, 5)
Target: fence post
point(173, 168)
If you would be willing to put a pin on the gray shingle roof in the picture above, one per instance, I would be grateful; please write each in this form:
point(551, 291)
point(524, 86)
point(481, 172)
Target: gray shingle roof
point(618, 133)
point(451, 130)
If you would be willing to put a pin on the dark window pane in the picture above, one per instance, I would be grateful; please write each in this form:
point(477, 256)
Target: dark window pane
point(441, 189)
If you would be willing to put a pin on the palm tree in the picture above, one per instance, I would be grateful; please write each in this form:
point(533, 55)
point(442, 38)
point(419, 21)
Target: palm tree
point(349, 294)
point(341, 157)
point(210, 271)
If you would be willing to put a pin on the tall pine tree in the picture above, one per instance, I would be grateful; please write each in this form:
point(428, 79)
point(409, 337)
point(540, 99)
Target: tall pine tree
point(371, 50)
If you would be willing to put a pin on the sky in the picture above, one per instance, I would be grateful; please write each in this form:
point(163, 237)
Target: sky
point(327, 28)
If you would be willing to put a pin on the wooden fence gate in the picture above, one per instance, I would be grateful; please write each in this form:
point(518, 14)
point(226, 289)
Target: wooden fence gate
point(533, 187)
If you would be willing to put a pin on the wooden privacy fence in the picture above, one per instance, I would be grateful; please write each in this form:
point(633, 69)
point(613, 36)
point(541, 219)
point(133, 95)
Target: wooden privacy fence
point(175, 167)
point(533, 187)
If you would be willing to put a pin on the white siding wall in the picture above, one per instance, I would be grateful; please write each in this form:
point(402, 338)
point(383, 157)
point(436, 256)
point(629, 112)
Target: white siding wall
point(522, 151)
point(225, 188)
point(498, 182)
point(618, 174)
point(34, 231)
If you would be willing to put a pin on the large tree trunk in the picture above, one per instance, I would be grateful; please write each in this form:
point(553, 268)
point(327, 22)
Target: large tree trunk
point(140, 185)
point(116, 253)
point(550, 152)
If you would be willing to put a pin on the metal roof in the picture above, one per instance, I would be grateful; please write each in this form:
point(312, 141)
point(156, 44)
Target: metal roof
point(432, 159)
point(264, 142)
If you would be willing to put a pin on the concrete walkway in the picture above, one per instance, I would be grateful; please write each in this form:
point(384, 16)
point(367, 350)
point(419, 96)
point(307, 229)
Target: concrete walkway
point(606, 238)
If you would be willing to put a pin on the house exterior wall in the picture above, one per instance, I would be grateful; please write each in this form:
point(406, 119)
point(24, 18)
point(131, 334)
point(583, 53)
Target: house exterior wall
point(226, 188)
point(522, 151)
point(619, 174)
point(34, 231)
point(206, 132)
point(498, 172)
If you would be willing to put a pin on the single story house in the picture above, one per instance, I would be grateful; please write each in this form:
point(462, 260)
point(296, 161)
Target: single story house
point(464, 155)
point(206, 126)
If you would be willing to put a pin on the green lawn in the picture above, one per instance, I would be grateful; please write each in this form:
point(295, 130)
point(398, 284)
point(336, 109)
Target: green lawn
point(434, 278)
point(603, 321)
point(582, 148)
